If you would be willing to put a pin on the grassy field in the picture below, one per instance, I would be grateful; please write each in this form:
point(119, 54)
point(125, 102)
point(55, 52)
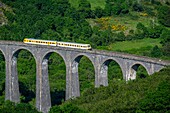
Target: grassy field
point(136, 44)
point(139, 47)
point(94, 3)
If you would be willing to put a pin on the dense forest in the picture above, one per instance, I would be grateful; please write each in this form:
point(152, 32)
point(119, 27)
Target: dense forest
point(113, 25)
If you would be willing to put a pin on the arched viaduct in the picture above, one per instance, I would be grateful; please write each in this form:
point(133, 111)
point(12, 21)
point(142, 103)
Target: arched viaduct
point(100, 60)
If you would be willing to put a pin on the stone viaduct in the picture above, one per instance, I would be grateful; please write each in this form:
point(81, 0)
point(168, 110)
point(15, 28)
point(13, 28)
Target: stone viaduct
point(100, 60)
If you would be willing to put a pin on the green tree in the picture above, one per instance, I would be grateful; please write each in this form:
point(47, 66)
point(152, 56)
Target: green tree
point(164, 15)
point(84, 9)
point(165, 36)
point(98, 12)
point(55, 109)
point(10, 107)
point(71, 108)
point(166, 49)
point(158, 100)
point(156, 52)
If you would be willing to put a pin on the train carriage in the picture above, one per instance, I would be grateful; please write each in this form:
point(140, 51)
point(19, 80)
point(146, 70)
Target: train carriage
point(40, 42)
point(57, 43)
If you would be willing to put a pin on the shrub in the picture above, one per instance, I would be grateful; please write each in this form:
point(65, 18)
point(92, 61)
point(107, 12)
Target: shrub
point(156, 52)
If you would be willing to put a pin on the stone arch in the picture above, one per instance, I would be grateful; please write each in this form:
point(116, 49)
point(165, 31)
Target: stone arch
point(45, 72)
point(74, 73)
point(14, 58)
point(47, 54)
point(2, 72)
point(103, 71)
point(78, 57)
point(16, 52)
point(133, 70)
point(3, 53)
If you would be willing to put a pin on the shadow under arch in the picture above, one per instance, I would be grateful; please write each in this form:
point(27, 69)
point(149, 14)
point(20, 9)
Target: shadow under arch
point(83, 72)
point(56, 71)
point(24, 68)
point(133, 72)
point(2, 73)
point(110, 70)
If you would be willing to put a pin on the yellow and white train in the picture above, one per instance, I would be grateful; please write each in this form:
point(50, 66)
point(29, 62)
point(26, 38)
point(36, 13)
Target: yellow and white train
point(57, 43)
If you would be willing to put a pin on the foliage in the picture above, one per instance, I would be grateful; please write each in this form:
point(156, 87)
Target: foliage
point(158, 100)
point(66, 108)
point(10, 107)
point(138, 7)
point(165, 36)
point(156, 52)
point(166, 49)
point(44, 19)
point(155, 32)
point(164, 15)
point(116, 7)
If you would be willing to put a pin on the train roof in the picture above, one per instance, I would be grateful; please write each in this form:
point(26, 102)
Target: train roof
point(57, 41)
point(40, 39)
point(72, 43)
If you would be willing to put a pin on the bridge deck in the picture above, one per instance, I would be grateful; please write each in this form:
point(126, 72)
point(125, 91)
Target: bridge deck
point(93, 51)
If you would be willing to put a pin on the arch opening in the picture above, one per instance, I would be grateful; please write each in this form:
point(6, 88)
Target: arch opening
point(2, 74)
point(57, 77)
point(114, 71)
point(26, 71)
point(110, 72)
point(85, 72)
point(138, 71)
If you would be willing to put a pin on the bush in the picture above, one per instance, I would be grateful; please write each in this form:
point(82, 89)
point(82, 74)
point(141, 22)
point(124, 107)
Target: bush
point(138, 7)
point(164, 15)
point(156, 52)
